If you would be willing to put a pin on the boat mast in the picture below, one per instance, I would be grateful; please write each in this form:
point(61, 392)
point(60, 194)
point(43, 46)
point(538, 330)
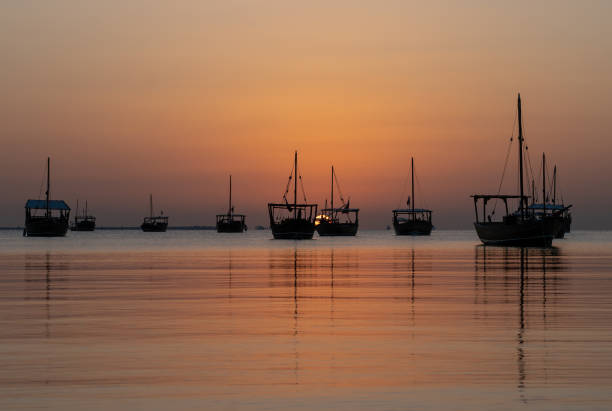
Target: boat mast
point(412, 183)
point(554, 200)
point(85, 208)
point(332, 191)
point(229, 211)
point(520, 121)
point(544, 182)
point(295, 183)
point(48, 183)
point(77, 211)
point(151, 205)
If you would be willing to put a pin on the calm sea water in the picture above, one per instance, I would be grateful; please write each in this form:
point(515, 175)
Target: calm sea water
point(127, 320)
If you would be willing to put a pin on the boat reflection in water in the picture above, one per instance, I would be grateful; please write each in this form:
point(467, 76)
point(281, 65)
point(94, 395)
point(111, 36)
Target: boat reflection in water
point(533, 274)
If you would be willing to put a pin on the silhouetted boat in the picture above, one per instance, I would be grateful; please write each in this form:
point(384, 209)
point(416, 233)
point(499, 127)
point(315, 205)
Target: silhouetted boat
point(342, 221)
point(54, 221)
point(292, 221)
point(412, 221)
point(230, 222)
point(546, 209)
point(519, 228)
point(83, 222)
point(153, 223)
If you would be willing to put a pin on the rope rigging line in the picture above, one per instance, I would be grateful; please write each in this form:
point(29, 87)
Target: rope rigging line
point(302, 186)
point(288, 186)
point(339, 189)
point(501, 182)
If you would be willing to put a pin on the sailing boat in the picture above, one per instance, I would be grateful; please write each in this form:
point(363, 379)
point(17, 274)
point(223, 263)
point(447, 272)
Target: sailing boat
point(292, 221)
point(153, 223)
point(83, 222)
point(54, 221)
point(545, 209)
point(342, 221)
point(520, 228)
point(412, 221)
point(230, 222)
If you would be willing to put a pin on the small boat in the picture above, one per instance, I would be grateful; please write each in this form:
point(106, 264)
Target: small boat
point(230, 222)
point(83, 222)
point(54, 221)
point(521, 227)
point(292, 221)
point(341, 221)
point(157, 224)
point(412, 221)
point(551, 210)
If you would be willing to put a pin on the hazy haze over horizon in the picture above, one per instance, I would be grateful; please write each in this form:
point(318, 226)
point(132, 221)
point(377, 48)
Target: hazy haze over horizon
point(138, 97)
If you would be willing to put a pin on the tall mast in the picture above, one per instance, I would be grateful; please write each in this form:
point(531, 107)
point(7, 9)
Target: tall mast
point(151, 205)
point(77, 211)
point(85, 208)
point(544, 182)
point(520, 145)
point(412, 183)
point(533, 191)
point(48, 183)
point(295, 184)
point(332, 190)
point(554, 200)
point(229, 211)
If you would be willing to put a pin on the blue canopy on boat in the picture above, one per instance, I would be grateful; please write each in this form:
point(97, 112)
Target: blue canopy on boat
point(42, 205)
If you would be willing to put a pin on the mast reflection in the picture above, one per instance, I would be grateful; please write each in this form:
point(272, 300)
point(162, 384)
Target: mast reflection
point(523, 274)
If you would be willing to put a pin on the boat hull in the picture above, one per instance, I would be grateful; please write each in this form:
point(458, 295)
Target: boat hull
point(293, 229)
point(416, 227)
point(231, 227)
point(154, 227)
point(46, 227)
point(84, 226)
point(535, 233)
point(326, 229)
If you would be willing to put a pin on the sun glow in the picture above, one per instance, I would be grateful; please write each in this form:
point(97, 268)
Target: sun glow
point(321, 217)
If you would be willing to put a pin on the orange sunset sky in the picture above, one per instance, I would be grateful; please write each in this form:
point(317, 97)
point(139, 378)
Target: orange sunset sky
point(137, 97)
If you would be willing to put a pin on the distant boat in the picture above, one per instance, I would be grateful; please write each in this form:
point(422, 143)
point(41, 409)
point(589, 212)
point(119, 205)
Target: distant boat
point(342, 221)
point(153, 223)
point(558, 211)
point(412, 221)
point(84, 222)
point(520, 228)
point(292, 221)
point(54, 221)
point(551, 210)
point(230, 222)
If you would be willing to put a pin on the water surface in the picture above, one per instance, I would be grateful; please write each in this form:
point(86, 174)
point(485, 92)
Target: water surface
point(200, 320)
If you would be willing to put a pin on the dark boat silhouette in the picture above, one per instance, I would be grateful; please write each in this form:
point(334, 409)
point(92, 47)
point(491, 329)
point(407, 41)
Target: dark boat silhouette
point(83, 222)
point(412, 221)
point(53, 222)
point(157, 224)
point(519, 228)
point(230, 222)
point(341, 221)
point(560, 212)
point(292, 221)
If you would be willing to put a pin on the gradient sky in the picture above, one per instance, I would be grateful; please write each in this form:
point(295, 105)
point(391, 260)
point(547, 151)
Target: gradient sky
point(133, 97)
